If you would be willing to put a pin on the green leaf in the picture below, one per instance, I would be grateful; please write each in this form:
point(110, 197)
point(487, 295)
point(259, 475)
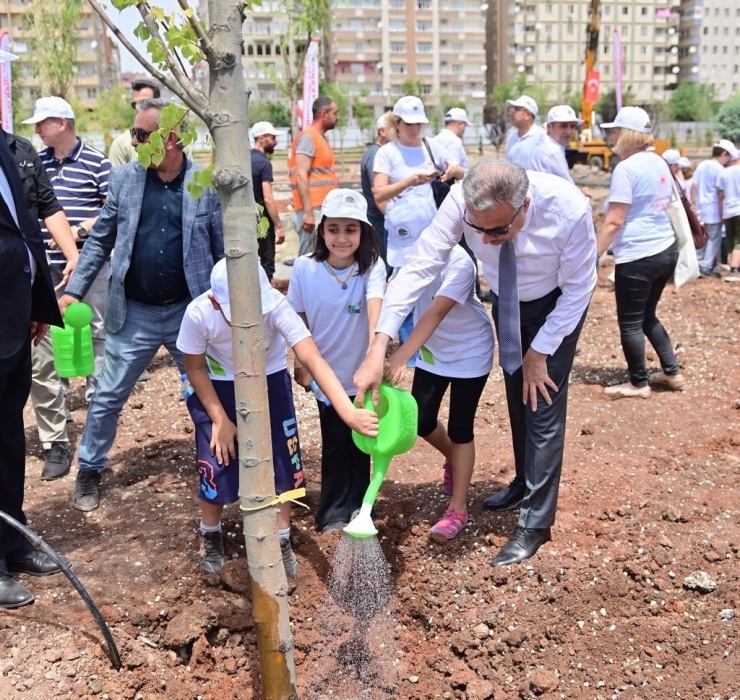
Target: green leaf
point(141, 32)
point(156, 140)
point(123, 4)
point(144, 154)
point(195, 190)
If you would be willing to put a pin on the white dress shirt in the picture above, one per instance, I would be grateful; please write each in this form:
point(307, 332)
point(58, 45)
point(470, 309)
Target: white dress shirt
point(549, 157)
point(520, 149)
point(453, 145)
point(556, 247)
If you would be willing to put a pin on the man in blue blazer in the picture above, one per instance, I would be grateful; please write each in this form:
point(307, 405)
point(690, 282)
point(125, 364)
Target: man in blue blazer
point(166, 244)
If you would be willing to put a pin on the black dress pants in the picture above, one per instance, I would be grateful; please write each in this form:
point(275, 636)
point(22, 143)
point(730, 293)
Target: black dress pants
point(538, 437)
point(266, 252)
point(15, 385)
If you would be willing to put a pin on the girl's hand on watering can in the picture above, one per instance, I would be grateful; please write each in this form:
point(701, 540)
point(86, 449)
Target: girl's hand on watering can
point(223, 441)
point(363, 422)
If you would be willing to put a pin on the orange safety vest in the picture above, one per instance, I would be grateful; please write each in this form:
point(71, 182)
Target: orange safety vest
point(322, 176)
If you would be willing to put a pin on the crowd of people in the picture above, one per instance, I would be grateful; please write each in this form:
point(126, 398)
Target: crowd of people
point(400, 259)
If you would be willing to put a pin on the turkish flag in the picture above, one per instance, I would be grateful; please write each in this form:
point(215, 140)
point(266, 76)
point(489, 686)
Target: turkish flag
point(592, 86)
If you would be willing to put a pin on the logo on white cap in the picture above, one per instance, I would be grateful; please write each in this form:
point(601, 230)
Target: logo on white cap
point(411, 110)
point(345, 204)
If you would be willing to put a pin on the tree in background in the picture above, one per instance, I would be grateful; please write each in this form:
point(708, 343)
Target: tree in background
point(574, 98)
point(412, 87)
point(495, 114)
point(436, 115)
point(265, 111)
point(113, 109)
point(606, 107)
point(364, 114)
point(691, 102)
point(55, 28)
point(339, 93)
point(727, 121)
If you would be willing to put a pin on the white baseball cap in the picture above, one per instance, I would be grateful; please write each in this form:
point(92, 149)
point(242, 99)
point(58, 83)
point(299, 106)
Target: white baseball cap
point(6, 56)
point(672, 156)
point(411, 110)
point(220, 287)
point(634, 118)
point(382, 122)
point(526, 102)
point(264, 128)
point(727, 145)
point(684, 162)
point(48, 108)
point(458, 115)
point(562, 113)
point(345, 204)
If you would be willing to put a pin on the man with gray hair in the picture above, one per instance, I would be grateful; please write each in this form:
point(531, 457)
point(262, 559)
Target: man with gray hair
point(166, 244)
point(534, 234)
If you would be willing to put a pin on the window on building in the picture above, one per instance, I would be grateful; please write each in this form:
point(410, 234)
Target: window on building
point(569, 70)
point(644, 11)
point(457, 26)
point(398, 47)
point(643, 50)
point(548, 48)
point(625, 10)
point(398, 4)
point(457, 68)
point(548, 29)
point(625, 30)
point(607, 11)
point(716, 31)
point(423, 25)
point(359, 47)
point(548, 8)
point(548, 68)
point(397, 25)
point(726, 31)
point(458, 48)
point(92, 93)
point(571, 9)
point(426, 90)
point(424, 67)
point(458, 89)
point(705, 31)
point(724, 49)
point(606, 49)
point(607, 70)
point(426, 46)
point(714, 49)
point(424, 4)
point(569, 29)
point(642, 70)
point(643, 31)
point(398, 68)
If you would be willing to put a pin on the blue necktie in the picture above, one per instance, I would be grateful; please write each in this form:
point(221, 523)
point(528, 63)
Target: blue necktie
point(509, 330)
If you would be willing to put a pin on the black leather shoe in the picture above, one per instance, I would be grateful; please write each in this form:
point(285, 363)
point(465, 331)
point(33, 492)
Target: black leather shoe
point(522, 544)
point(508, 499)
point(34, 564)
point(12, 594)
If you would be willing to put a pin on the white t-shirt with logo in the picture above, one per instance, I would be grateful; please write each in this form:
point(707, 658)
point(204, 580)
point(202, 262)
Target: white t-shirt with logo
point(337, 317)
point(461, 346)
point(645, 183)
point(416, 207)
point(520, 150)
point(706, 181)
point(729, 183)
point(204, 330)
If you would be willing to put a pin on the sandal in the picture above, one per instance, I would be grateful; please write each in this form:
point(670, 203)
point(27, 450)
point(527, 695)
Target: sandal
point(447, 478)
point(450, 526)
point(675, 382)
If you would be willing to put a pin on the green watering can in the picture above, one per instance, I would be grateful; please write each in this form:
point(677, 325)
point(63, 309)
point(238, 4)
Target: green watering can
point(398, 417)
point(72, 346)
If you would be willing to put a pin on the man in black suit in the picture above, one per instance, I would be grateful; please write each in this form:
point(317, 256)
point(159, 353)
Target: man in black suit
point(27, 306)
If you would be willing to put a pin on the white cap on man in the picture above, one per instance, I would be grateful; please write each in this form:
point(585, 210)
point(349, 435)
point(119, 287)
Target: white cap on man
point(456, 114)
point(50, 108)
point(672, 156)
point(684, 162)
point(563, 113)
point(345, 204)
point(525, 102)
point(633, 118)
point(263, 129)
point(411, 110)
point(727, 145)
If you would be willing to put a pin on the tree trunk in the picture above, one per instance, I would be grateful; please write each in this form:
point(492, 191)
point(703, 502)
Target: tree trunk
point(232, 178)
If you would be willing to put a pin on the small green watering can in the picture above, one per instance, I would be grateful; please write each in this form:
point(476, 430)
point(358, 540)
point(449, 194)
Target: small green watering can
point(72, 346)
point(398, 417)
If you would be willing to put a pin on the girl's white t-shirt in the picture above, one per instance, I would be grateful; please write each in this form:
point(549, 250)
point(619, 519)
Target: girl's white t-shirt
point(204, 330)
point(461, 347)
point(337, 317)
point(408, 214)
point(729, 183)
point(645, 183)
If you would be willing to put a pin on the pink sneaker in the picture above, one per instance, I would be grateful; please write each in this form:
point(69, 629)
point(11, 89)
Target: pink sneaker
point(447, 478)
point(449, 526)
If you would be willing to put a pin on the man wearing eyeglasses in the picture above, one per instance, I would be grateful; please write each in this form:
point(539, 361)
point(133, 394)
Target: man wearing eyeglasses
point(166, 244)
point(534, 235)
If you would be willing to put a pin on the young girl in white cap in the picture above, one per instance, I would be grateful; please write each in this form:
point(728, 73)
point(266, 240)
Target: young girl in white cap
point(453, 332)
point(338, 290)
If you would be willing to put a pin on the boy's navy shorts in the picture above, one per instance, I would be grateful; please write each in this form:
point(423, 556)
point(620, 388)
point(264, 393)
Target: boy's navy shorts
point(219, 483)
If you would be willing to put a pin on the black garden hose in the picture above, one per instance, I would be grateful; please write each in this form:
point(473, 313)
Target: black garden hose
point(35, 540)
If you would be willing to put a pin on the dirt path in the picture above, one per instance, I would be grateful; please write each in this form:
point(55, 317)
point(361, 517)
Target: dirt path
point(650, 494)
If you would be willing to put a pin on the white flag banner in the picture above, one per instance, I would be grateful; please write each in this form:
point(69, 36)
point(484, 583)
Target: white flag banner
point(6, 94)
point(310, 82)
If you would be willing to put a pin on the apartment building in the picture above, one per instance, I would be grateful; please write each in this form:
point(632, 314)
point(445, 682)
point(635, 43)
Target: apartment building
point(547, 43)
point(709, 45)
point(98, 66)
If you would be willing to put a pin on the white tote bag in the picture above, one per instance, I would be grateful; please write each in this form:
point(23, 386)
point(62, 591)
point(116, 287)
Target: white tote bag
point(687, 267)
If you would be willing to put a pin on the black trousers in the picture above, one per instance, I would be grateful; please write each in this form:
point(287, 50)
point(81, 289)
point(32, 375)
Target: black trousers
point(15, 385)
point(266, 252)
point(538, 437)
point(345, 470)
point(638, 286)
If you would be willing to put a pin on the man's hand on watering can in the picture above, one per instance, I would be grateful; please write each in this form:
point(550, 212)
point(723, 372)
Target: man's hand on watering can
point(64, 301)
point(363, 422)
point(369, 374)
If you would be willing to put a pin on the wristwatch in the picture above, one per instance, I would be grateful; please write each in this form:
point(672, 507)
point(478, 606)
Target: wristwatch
point(81, 232)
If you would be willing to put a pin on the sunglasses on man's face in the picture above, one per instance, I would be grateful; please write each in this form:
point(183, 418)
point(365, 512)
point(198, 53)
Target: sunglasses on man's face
point(141, 135)
point(498, 231)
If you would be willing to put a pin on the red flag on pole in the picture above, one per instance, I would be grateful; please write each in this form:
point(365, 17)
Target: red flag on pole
point(593, 80)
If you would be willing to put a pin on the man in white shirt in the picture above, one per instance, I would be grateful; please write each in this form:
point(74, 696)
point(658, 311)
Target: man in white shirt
point(451, 137)
point(705, 198)
point(549, 224)
point(729, 202)
point(549, 156)
point(526, 135)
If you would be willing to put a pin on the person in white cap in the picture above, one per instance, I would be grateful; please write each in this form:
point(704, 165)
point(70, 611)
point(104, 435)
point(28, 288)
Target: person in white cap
point(671, 157)
point(687, 172)
point(639, 233)
point(729, 203)
point(375, 214)
point(265, 139)
point(28, 307)
point(450, 138)
point(549, 156)
point(526, 135)
point(704, 195)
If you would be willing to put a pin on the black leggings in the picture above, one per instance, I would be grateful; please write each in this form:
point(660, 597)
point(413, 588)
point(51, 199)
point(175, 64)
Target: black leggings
point(638, 286)
point(428, 389)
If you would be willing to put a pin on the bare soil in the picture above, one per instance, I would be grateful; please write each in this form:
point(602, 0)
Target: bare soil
point(649, 495)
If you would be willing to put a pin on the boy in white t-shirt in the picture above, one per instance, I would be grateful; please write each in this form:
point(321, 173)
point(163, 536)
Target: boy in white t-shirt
point(206, 342)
